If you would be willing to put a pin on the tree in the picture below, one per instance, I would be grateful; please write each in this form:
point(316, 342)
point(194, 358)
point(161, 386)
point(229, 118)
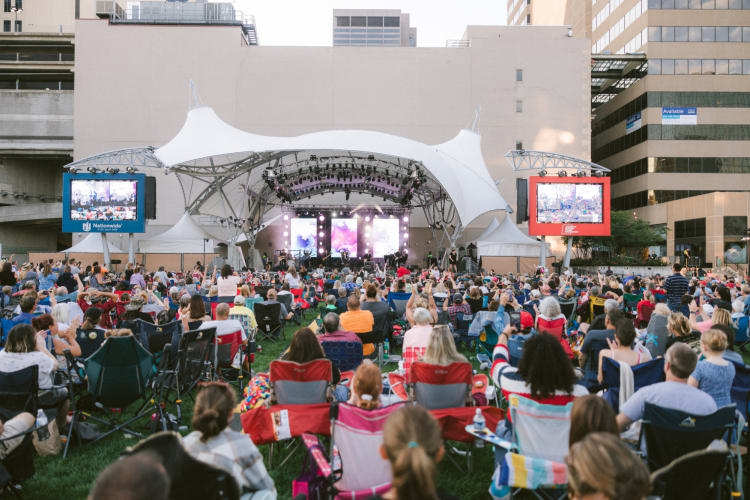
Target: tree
point(627, 232)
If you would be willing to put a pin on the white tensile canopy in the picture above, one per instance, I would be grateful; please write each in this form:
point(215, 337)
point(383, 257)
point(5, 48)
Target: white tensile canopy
point(504, 239)
point(457, 165)
point(184, 237)
point(92, 244)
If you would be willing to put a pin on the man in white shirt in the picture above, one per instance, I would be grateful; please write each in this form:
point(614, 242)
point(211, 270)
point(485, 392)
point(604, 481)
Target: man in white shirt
point(224, 325)
point(161, 276)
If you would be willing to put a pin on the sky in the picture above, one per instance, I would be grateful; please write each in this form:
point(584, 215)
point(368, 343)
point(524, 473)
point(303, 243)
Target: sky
point(308, 22)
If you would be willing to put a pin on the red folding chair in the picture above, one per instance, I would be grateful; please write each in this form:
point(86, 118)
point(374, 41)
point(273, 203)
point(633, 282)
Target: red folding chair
point(556, 328)
point(214, 305)
point(226, 348)
point(297, 296)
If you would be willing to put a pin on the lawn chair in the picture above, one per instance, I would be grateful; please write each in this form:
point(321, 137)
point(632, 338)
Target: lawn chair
point(436, 387)
point(288, 301)
point(226, 348)
point(7, 325)
point(118, 375)
point(596, 307)
point(89, 340)
point(298, 384)
point(356, 435)
point(397, 302)
point(345, 356)
point(647, 373)
point(194, 359)
point(487, 341)
point(568, 308)
point(644, 315)
point(18, 393)
point(695, 476)
point(669, 434)
point(269, 324)
point(742, 336)
point(251, 301)
point(214, 305)
point(630, 302)
point(190, 478)
point(461, 333)
point(536, 454)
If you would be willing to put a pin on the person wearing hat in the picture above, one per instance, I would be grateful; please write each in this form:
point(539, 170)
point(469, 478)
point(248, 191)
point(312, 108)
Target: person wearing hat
point(459, 306)
point(133, 309)
point(243, 314)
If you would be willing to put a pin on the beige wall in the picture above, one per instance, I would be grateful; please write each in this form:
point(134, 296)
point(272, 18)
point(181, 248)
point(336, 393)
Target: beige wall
point(44, 16)
point(132, 90)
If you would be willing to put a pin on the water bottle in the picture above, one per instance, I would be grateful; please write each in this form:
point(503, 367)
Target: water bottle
point(42, 431)
point(386, 348)
point(479, 425)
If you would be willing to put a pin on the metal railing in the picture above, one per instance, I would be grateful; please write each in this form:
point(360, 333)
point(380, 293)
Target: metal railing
point(458, 44)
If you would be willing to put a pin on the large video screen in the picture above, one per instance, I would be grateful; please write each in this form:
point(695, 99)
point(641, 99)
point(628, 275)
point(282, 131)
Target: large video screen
point(103, 200)
point(572, 203)
point(343, 237)
point(303, 235)
point(569, 206)
point(385, 236)
point(104, 203)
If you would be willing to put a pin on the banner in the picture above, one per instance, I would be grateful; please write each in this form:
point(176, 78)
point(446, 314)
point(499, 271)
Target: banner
point(679, 116)
point(633, 123)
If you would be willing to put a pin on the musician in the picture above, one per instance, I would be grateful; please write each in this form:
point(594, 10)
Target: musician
point(305, 257)
point(453, 260)
point(283, 261)
point(430, 258)
point(367, 257)
point(344, 256)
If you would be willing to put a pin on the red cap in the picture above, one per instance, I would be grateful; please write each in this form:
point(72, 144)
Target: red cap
point(527, 321)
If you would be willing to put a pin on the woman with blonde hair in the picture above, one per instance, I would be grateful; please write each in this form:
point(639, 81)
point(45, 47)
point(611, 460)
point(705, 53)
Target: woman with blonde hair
point(601, 466)
point(721, 317)
point(413, 445)
point(714, 375)
point(441, 349)
point(680, 331)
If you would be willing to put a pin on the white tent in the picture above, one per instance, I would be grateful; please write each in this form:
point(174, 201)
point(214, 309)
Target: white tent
point(457, 165)
point(504, 239)
point(184, 237)
point(92, 244)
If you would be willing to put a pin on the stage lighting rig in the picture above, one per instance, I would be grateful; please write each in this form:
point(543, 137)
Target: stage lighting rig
point(92, 170)
point(113, 170)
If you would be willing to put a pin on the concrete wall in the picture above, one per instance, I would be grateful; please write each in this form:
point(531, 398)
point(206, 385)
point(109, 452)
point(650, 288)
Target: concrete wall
point(36, 121)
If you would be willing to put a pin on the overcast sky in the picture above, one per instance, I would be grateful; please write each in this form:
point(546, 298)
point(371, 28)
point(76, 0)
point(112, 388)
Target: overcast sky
point(308, 22)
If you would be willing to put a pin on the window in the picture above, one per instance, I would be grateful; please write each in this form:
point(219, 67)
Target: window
point(667, 33)
point(680, 34)
point(746, 66)
point(359, 21)
point(391, 21)
point(734, 34)
point(519, 75)
point(680, 4)
point(708, 33)
point(376, 21)
point(654, 34)
point(519, 106)
point(6, 6)
point(667, 66)
point(735, 66)
point(694, 34)
point(680, 67)
point(654, 66)
point(694, 66)
point(528, 18)
point(667, 4)
point(722, 67)
point(709, 67)
point(18, 26)
point(519, 145)
point(342, 20)
point(19, 4)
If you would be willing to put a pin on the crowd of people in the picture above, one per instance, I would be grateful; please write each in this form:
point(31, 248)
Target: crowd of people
point(692, 322)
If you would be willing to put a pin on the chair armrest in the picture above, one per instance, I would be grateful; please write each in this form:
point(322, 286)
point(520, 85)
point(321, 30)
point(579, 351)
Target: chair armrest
point(491, 437)
point(312, 443)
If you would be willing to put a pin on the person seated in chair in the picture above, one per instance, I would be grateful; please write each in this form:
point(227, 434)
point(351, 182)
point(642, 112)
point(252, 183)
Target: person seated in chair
point(222, 323)
point(377, 307)
point(593, 342)
point(341, 300)
point(332, 332)
point(459, 306)
point(12, 427)
point(621, 348)
point(243, 313)
point(331, 304)
point(358, 321)
point(27, 305)
point(271, 297)
point(675, 393)
point(214, 443)
point(136, 477)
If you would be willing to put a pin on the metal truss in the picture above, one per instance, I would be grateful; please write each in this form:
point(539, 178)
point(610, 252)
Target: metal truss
point(521, 159)
point(121, 158)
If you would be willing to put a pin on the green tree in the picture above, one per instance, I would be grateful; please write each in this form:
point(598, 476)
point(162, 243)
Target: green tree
point(627, 232)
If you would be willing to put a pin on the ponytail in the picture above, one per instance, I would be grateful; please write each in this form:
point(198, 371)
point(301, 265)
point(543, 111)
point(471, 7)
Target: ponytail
point(411, 437)
point(213, 406)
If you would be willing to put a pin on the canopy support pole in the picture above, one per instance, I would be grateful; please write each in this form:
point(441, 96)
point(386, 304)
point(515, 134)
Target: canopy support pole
point(105, 250)
point(457, 232)
point(543, 252)
point(568, 251)
point(131, 248)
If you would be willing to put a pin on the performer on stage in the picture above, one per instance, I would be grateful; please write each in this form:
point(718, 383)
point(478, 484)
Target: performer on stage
point(283, 261)
point(305, 257)
point(453, 261)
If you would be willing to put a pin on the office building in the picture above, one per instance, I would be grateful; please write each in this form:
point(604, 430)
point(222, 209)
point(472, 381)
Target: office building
point(573, 13)
point(373, 28)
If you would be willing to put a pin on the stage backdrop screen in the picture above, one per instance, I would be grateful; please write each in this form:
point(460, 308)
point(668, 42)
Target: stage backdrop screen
point(343, 237)
point(303, 235)
point(569, 206)
point(104, 203)
point(384, 236)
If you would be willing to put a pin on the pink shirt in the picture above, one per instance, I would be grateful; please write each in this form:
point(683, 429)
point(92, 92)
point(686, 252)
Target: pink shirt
point(340, 336)
point(418, 336)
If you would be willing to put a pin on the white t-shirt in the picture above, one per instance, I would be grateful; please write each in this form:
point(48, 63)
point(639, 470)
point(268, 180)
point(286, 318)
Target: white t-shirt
point(14, 361)
point(224, 327)
point(228, 286)
point(293, 282)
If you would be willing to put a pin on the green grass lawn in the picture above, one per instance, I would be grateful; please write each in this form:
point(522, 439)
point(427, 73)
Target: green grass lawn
point(72, 478)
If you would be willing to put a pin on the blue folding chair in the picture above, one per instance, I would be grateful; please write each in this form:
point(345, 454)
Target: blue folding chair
point(344, 355)
point(742, 335)
point(644, 374)
point(397, 302)
point(6, 325)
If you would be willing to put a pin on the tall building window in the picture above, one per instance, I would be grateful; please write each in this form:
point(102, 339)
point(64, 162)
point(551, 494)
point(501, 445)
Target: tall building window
point(19, 4)
point(342, 21)
point(18, 26)
point(391, 21)
point(376, 21)
point(690, 235)
point(359, 21)
point(528, 18)
point(6, 6)
point(6, 26)
point(519, 75)
point(519, 106)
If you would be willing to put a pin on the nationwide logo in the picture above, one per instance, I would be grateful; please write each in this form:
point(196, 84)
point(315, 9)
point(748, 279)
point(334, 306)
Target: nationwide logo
point(569, 229)
point(86, 226)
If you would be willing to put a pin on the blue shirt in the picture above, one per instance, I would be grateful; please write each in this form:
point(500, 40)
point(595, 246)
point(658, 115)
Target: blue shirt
point(23, 318)
point(715, 380)
point(672, 395)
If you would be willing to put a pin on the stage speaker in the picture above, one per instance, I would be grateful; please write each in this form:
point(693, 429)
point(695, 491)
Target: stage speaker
point(150, 197)
point(116, 261)
point(522, 201)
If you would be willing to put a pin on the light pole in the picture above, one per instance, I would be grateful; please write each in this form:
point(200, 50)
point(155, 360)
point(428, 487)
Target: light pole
point(16, 11)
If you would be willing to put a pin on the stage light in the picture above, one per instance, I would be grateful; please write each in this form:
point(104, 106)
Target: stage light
point(562, 173)
point(286, 233)
point(406, 236)
point(406, 218)
point(92, 170)
point(334, 214)
point(113, 170)
point(542, 173)
point(321, 251)
point(321, 234)
point(367, 219)
point(322, 217)
point(286, 217)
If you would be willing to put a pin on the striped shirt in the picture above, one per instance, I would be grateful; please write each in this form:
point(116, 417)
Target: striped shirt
point(511, 382)
point(676, 286)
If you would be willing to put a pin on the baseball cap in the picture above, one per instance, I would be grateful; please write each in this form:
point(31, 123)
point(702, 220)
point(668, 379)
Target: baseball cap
point(527, 320)
point(457, 297)
point(239, 300)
